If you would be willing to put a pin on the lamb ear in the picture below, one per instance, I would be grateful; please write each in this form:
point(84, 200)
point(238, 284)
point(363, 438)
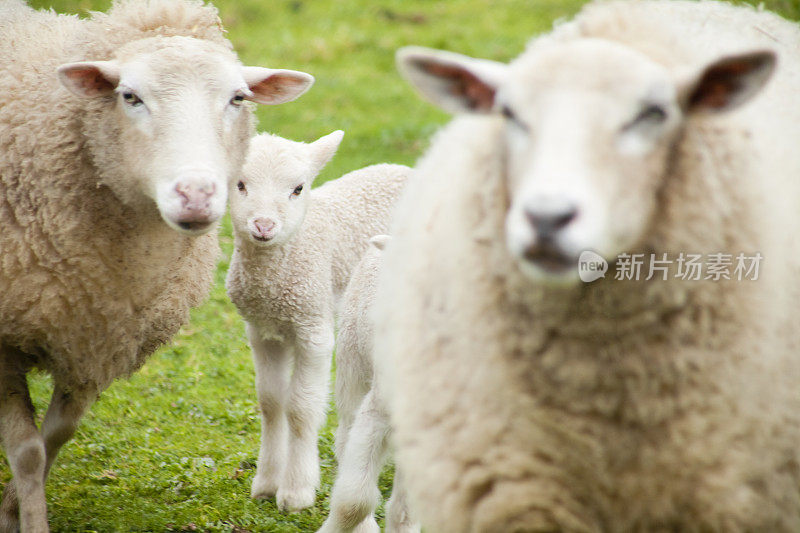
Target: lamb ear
point(454, 82)
point(89, 78)
point(728, 82)
point(324, 148)
point(275, 86)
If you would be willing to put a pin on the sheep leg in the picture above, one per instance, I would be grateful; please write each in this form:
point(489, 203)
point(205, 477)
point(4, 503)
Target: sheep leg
point(355, 494)
point(398, 518)
point(62, 418)
point(271, 360)
point(23, 507)
point(306, 413)
point(351, 388)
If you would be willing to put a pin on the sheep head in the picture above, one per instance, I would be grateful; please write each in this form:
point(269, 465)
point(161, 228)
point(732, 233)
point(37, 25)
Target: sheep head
point(589, 130)
point(168, 122)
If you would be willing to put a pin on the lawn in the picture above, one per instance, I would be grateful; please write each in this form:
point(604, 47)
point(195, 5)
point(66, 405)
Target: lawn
point(174, 447)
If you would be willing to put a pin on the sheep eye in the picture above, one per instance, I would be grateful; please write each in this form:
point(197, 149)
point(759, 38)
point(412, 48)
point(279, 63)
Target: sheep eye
point(297, 190)
point(651, 113)
point(131, 99)
point(241, 186)
point(510, 116)
point(237, 100)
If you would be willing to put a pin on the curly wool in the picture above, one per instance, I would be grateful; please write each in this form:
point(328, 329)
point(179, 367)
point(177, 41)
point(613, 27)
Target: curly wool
point(90, 285)
point(617, 406)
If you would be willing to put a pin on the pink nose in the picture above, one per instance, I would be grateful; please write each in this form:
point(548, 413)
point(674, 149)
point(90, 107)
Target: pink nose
point(195, 200)
point(264, 227)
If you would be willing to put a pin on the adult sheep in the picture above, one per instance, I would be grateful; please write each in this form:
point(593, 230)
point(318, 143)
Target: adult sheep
point(525, 400)
point(118, 135)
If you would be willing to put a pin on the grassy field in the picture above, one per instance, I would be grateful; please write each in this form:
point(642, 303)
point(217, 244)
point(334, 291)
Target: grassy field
point(174, 447)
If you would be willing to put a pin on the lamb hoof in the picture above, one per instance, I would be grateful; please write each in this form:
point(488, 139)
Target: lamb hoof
point(296, 500)
point(328, 527)
point(402, 528)
point(368, 525)
point(263, 487)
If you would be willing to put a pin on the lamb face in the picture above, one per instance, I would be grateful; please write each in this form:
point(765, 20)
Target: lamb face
point(180, 127)
point(270, 200)
point(590, 126)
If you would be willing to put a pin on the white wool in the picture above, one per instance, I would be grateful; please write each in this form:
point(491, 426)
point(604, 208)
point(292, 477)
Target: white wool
point(524, 402)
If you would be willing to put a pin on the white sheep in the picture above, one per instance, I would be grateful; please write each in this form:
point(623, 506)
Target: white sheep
point(362, 438)
point(294, 251)
point(522, 399)
point(118, 135)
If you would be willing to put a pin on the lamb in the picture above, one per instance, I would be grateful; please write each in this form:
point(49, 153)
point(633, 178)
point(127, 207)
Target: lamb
point(363, 433)
point(294, 252)
point(118, 134)
point(522, 399)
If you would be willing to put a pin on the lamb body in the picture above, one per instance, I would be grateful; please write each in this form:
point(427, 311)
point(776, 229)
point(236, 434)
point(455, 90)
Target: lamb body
point(524, 400)
point(294, 254)
point(108, 234)
point(362, 438)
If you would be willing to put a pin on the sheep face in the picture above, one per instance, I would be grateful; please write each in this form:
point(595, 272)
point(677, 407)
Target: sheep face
point(590, 126)
point(270, 199)
point(175, 126)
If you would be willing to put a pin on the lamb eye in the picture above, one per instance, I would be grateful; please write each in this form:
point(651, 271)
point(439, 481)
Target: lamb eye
point(237, 100)
point(131, 99)
point(297, 190)
point(241, 186)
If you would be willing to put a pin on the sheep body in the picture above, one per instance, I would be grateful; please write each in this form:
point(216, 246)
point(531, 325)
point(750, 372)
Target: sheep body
point(287, 293)
point(620, 405)
point(69, 248)
point(108, 235)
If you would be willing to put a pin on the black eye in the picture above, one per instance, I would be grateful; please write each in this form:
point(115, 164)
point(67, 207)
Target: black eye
point(131, 99)
point(297, 190)
point(509, 115)
point(241, 186)
point(237, 100)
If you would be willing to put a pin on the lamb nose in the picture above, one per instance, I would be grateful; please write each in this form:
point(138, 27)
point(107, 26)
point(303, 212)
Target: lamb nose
point(546, 223)
point(195, 196)
point(263, 225)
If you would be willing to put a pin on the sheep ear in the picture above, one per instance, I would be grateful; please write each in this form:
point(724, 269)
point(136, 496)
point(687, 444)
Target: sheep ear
point(324, 148)
point(727, 83)
point(272, 87)
point(89, 78)
point(454, 82)
point(380, 241)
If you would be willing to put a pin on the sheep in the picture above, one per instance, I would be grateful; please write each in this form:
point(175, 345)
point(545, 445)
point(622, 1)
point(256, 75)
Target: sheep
point(294, 250)
point(523, 399)
point(363, 433)
point(118, 134)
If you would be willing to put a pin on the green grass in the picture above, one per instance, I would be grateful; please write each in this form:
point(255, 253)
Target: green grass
point(174, 447)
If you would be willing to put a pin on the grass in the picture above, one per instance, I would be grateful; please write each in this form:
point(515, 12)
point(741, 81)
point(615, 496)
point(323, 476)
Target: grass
point(174, 447)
